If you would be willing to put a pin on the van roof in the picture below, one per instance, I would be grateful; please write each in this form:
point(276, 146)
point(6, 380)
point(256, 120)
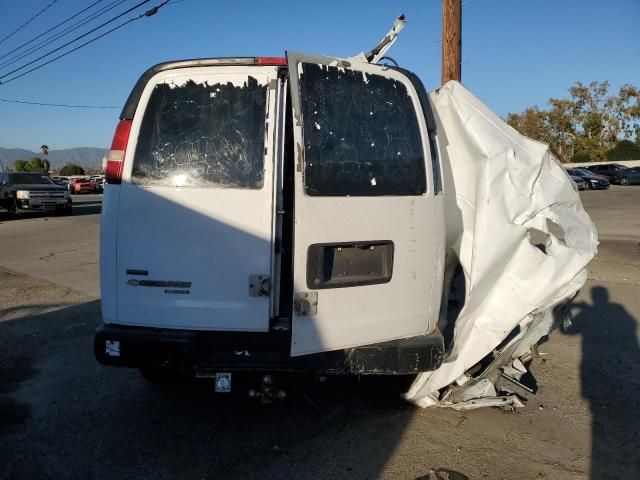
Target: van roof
point(131, 104)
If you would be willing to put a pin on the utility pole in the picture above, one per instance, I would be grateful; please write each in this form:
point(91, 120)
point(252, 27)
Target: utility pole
point(451, 40)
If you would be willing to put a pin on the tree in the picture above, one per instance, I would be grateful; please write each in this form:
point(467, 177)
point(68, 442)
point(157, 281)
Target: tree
point(71, 169)
point(33, 165)
point(587, 124)
point(553, 126)
point(20, 166)
point(45, 152)
point(624, 150)
point(36, 165)
point(531, 122)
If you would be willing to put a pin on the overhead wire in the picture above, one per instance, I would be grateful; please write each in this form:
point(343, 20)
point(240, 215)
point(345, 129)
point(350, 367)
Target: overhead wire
point(58, 35)
point(6, 37)
point(50, 29)
point(148, 13)
point(66, 105)
point(51, 52)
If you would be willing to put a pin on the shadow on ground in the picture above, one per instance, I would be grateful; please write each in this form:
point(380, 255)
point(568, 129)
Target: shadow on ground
point(610, 376)
point(65, 416)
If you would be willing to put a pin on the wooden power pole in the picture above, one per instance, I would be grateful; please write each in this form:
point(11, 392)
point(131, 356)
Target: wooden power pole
point(451, 40)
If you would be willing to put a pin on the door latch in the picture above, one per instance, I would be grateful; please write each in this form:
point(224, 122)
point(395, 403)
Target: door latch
point(259, 285)
point(305, 304)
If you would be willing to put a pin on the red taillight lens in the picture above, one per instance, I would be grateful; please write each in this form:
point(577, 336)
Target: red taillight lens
point(115, 160)
point(271, 60)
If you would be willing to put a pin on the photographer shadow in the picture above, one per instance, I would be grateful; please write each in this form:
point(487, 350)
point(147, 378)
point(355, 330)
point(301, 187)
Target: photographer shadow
point(610, 380)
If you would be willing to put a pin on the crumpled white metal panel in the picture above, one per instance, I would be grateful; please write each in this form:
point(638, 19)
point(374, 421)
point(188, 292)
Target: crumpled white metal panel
point(500, 184)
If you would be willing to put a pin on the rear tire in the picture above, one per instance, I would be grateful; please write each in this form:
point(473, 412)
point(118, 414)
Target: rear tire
point(625, 181)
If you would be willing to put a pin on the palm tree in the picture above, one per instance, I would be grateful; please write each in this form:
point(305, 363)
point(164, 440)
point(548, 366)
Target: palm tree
point(45, 152)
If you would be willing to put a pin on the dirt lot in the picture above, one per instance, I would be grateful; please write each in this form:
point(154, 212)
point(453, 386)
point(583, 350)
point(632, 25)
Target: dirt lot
point(64, 416)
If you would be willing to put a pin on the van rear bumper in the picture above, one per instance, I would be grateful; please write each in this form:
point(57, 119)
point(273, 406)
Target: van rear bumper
point(201, 352)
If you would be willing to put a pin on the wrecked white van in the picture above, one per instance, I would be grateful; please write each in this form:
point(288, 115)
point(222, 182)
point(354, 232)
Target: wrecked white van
point(276, 215)
point(324, 216)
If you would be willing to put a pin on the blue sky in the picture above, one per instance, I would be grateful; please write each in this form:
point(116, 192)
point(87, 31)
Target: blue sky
point(516, 53)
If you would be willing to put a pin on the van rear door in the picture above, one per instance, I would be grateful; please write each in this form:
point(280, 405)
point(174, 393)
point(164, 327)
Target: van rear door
point(365, 236)
point(195, 213)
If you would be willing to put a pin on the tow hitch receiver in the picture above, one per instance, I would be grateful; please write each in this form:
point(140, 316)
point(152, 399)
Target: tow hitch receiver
point(267, 392)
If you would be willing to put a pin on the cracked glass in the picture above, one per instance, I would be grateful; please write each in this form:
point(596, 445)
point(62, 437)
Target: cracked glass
point(203, 135)
point(361, 134)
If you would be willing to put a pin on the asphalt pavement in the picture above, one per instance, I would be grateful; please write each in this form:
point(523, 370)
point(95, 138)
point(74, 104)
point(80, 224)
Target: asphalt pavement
point(60, 249)
point(64, 416)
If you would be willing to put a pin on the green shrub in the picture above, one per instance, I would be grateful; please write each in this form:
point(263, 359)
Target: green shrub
point(71, 169)
point(581, 157)
point(624, 150)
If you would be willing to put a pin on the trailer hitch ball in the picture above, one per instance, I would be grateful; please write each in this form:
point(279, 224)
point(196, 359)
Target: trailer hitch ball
point(267, 392)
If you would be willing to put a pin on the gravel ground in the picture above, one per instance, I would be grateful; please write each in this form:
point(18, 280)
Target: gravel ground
point(64, 416)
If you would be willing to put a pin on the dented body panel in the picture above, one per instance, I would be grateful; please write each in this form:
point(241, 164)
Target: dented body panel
point(522, 239)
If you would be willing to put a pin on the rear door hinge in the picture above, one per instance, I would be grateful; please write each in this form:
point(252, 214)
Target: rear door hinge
point(259, 285)
point(305, 304)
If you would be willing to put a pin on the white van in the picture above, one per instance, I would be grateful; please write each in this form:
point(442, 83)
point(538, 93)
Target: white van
point(273, 215)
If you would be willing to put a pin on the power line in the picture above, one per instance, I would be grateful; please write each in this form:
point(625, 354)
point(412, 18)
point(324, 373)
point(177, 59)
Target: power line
point(57, 36)
point(8, 100)
point(27, 22)
point(148, 13)
point(74, 40)
point(50, 29)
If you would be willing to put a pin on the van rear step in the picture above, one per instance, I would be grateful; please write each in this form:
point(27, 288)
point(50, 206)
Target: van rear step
point(200, 351)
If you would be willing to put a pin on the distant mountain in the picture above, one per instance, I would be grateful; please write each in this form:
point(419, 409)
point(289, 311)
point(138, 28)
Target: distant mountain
point(88, 157)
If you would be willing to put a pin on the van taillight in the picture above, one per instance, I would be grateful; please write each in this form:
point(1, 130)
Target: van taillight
point(115, 160)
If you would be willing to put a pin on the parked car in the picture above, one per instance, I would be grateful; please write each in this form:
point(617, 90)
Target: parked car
point(592, 181)
point(63, 182)
point(81, 185)
point(98, 184)
point(617, 173)
point(578, 182)
point(22, 192)
point(198, 270)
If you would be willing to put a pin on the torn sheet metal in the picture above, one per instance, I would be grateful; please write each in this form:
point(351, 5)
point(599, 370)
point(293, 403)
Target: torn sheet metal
point(383, 46)
point(522, 239)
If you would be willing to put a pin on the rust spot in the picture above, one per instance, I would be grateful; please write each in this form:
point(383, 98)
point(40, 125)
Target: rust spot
point(299, 157)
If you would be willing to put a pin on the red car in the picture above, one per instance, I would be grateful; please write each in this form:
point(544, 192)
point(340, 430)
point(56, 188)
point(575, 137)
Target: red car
point(81, 185)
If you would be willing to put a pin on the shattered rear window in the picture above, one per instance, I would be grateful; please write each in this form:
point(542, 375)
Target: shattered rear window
point(203, 135)
point(361, 134)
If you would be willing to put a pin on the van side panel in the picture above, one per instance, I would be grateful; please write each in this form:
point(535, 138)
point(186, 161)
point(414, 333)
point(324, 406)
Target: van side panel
point(109, 253)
